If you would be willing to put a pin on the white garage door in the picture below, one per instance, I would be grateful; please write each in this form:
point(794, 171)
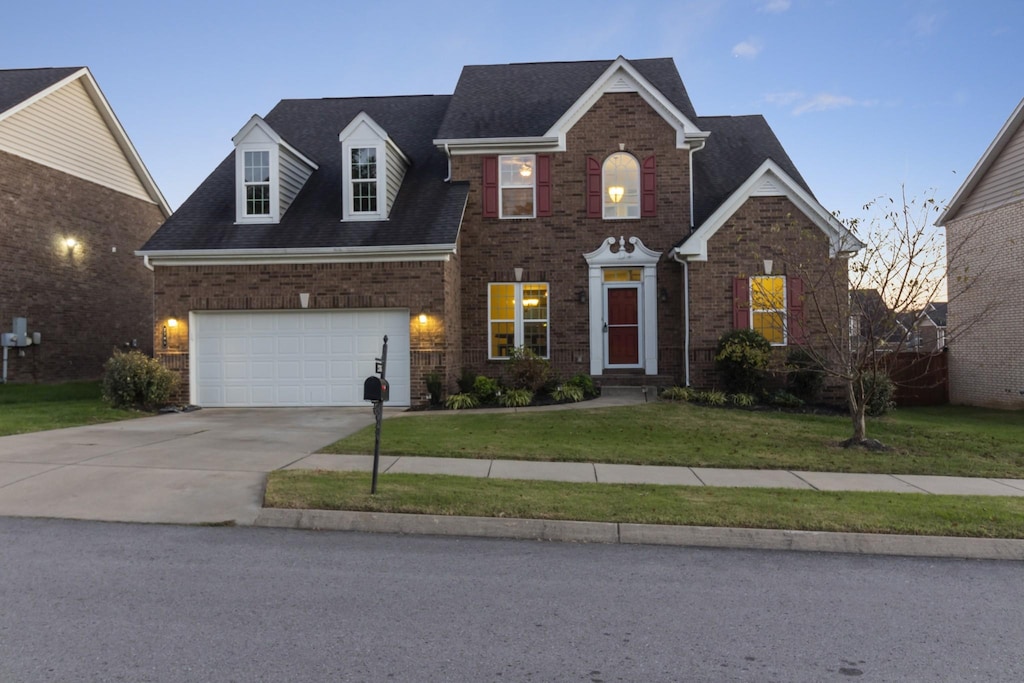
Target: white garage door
point(295, 358)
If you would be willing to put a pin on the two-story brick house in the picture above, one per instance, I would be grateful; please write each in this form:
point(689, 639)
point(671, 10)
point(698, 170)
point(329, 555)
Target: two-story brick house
point(580, 209)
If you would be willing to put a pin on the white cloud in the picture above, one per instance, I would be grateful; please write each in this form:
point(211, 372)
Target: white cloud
point(775, 6)
point(803, 103)
point(748, 49)
point(783, 99)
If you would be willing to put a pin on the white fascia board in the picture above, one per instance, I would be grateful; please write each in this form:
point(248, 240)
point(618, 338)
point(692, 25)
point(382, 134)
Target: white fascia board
point(363, 118)
point(257, 121)
point(464, 146)
point(984, 163)
point(116, 129)
point(607, 82)
point(212, 257)
point(841, 241)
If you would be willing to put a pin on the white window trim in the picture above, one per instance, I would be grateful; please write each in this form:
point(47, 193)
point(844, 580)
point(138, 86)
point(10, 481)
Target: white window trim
point(501, 187)
point(784, 311)
point(604, 190)
point(519, 322)
point(241, 217)
point(347, 212)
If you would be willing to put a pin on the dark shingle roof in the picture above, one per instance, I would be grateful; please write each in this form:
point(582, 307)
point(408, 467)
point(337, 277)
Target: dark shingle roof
point(426, 211)
point(525, 100)
point(938, 311)
point(17, 85)
point(737, 146)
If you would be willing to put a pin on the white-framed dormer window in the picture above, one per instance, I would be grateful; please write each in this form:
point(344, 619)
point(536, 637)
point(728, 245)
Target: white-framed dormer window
point(364, 181)
point(256, 181)
point(374, 167)
point(517, 185)
point(621, 185)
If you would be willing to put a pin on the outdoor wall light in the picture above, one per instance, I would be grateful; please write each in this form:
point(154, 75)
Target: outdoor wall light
point(172, 322)
point(663, 295)
point(767, 266)
point(70, 243)
point(582, 296)
point(616, 193)
point(423, 318)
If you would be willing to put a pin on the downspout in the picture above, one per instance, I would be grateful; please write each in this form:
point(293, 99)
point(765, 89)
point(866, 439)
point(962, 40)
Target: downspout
point(686, 323)
point(449, 155)
point(145, 262)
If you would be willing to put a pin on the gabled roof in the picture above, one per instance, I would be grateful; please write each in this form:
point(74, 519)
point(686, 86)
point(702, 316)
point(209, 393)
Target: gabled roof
point(20, 88)
point(427, 212)
point(256, 122)
point(937, 312)
point(501, 101)
point(984, 164)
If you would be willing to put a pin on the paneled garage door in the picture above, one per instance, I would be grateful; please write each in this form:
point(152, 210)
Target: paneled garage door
point(295, 358)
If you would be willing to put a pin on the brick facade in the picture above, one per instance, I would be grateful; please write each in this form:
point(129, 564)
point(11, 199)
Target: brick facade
point(85, 301)
point(985, 325)
point(428, 287)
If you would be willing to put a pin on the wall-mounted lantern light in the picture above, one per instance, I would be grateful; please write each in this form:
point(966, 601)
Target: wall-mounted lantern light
point(172, 322)
point(423, 318)
point(663, 295)
point(582, 296)
point(70, 243)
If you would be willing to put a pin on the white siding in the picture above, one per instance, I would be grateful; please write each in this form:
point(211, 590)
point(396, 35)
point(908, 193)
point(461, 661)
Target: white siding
point(1003, 182)
point(396, 168)
point(293, 175)
point(65, 131)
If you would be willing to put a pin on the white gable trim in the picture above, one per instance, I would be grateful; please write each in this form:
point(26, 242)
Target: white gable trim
point(108, 116)
point(983, 165)
point(621, 76)
point(769, 181)
point(256, 122)
point(362, 118)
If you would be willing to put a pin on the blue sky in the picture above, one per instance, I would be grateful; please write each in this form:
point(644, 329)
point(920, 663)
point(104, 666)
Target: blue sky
point(865, 95)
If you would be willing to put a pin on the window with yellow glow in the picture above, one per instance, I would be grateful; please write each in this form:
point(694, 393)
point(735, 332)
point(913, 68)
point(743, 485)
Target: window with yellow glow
point(621, 186)
point(517, 316)
point(517, 178)
point(622, 274)
point(768, 307)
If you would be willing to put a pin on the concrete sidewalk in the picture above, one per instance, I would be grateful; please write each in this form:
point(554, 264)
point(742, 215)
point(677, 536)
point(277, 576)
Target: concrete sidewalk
point(671, 476)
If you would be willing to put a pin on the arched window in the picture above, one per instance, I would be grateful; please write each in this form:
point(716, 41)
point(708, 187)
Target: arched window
point(621, 185)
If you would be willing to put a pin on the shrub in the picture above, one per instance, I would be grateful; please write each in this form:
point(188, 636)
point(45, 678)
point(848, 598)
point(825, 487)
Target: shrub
point(461, 402)
point(742, 400)
point(741, 357)
point(877, 390)
point(712, 398)
point(435, 388)
point(134, 380)
point(485, 388)
point(586, 383)
point(466, 381)
point(527, 370)
point(516, 398)
point(804, 379)
point(784, 399)
point(567, 393)
point(679, 394)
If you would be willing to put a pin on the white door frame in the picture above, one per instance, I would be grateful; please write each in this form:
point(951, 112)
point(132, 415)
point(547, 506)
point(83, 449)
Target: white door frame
point(638, 288)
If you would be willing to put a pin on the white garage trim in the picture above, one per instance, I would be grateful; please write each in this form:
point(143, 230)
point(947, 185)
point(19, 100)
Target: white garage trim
point(295, 358)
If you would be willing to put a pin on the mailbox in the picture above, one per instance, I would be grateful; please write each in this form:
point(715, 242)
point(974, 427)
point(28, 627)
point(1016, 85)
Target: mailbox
point(375, 389)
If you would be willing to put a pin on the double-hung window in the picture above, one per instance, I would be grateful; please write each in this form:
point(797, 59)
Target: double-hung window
point(517, 178)
point(517, 317)
point(768, 307)
point(363, 175)
point(257, 183)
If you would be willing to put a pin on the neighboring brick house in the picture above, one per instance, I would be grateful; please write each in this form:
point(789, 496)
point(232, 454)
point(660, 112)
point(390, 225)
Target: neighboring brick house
point(76, 201)
point(579, 209)
point(985, 246)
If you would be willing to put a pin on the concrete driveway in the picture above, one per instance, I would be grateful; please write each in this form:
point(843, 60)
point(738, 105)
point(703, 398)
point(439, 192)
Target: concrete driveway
point(208, 466)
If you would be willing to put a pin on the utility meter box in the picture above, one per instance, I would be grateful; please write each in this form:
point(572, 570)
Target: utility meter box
point(376, 389)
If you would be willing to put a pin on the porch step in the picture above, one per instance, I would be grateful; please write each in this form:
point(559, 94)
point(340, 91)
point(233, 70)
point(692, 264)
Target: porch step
point(629, 394)
point(639, 379)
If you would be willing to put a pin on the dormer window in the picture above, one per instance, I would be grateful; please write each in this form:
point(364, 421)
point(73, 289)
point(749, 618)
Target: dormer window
point(257, 183)
point(374, 170)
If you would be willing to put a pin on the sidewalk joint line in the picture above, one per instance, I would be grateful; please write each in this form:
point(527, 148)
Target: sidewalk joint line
point(697, 476)
point(922, 490)
point(803, 480)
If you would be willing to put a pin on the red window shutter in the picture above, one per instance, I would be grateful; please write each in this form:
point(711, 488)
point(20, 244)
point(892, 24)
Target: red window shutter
point(595, 198)
point(648, 188)
point(543, 185)
point(490, 187)
point(740, 303)
point(795, 313)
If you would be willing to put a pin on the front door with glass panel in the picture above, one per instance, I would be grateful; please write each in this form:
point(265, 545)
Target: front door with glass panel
point(622, 317)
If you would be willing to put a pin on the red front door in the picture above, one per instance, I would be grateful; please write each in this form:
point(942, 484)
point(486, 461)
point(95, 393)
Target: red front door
point(623, 326)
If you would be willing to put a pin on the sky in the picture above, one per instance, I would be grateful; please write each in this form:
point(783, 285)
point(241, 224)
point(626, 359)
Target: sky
point(869, 97)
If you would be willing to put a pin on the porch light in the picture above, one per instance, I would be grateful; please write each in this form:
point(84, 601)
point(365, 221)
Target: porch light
point(423, 318)
point(70, 243)
point(526, 170)
point(616, 193)
point(172, 322)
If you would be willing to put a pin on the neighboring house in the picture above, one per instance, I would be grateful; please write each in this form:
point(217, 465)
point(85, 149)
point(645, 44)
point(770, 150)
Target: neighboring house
point(76, 201)
point(582, 210)
point(985, 246)
point(930, 328)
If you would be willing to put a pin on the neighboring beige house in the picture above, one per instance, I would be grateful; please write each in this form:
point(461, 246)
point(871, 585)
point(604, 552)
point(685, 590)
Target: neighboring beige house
point(985, 246)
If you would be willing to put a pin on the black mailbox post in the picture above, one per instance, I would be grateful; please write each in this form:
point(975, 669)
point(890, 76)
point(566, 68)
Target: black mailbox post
point(376, 389)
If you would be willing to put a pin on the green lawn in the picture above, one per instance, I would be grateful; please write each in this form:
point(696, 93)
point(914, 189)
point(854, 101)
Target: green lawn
point(944, 440)
point(38, 407)
point(893, 513)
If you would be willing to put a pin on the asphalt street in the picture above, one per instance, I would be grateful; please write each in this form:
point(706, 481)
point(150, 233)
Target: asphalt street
point(110, 602)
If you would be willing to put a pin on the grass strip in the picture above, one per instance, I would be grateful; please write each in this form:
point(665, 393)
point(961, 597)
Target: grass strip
point(952, 441)
point(884, 513)
point(39, 407)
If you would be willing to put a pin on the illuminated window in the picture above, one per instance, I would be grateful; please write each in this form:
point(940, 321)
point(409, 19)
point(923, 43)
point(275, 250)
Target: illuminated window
point(621, 183)
point(768, 307)
point(517, 180)
point(517, 316)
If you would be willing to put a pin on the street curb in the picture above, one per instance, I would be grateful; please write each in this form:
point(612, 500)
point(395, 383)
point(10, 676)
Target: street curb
point(649, 534)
